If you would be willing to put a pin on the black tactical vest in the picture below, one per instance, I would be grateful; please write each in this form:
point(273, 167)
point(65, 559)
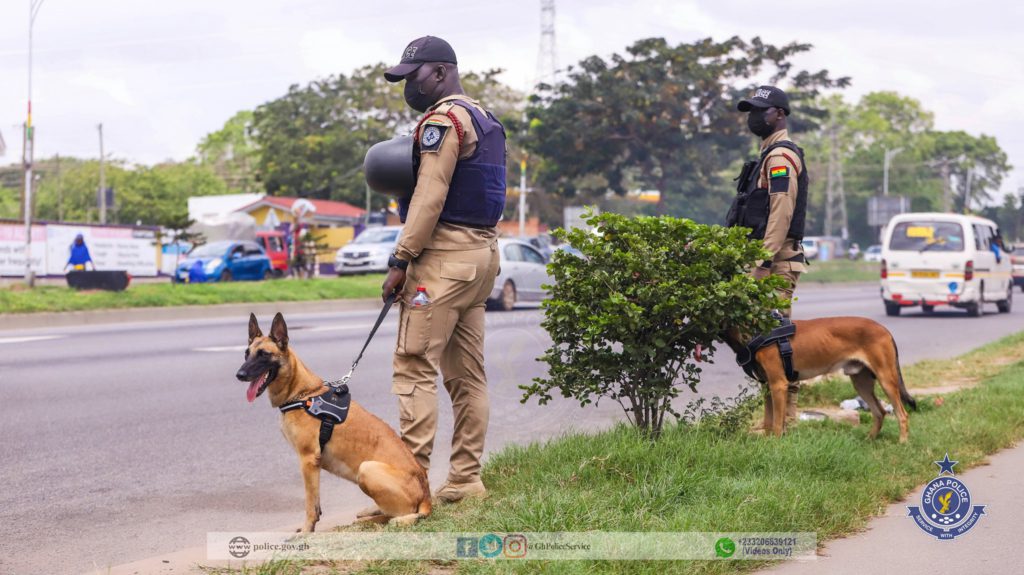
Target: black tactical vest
point(751, 205)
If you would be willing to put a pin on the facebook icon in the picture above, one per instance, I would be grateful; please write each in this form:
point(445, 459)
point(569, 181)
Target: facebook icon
point(467, 546)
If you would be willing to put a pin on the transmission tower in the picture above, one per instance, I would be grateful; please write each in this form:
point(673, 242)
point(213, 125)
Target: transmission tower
point(547, 55)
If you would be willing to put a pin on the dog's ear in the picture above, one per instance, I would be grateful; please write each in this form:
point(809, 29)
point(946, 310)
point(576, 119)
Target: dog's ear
point(279, 332)
point(254, 328)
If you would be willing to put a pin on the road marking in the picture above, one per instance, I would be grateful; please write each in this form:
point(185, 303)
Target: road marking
point(340, 327)
point(29, 338)
point(221, 348)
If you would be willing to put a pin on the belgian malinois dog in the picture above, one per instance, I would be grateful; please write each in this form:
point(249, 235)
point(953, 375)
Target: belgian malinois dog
point(862, 348)
point(362, 449)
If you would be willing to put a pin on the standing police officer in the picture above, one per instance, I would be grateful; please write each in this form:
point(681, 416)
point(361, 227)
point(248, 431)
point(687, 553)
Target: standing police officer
point(449, 248)
point(772, 198)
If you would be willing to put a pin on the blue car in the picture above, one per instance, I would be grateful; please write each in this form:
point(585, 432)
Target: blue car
point(224, 261)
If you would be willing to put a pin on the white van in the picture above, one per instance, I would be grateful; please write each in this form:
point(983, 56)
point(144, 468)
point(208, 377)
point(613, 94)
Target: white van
point(931, 259)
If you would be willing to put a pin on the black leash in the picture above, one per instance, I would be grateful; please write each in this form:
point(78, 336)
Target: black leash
point(383, 313)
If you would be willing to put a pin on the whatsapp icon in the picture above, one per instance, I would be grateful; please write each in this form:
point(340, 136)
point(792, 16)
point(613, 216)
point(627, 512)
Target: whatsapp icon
point(725, 547)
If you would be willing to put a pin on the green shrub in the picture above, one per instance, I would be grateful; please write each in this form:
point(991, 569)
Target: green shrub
point(626, 317)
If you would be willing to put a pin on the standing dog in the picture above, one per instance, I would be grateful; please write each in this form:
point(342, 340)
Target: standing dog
point(860, 347)
point(362, 449)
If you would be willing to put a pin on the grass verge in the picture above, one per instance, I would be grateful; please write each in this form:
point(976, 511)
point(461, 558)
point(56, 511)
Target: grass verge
point(824, 477)
point(19, 299)
point(841, 271)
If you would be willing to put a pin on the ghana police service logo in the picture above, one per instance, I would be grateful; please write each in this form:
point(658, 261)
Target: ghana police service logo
point(946, 510)
point(431, 135)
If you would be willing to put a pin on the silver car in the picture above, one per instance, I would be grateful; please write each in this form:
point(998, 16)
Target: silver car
point(368, 252)
point(523, 271)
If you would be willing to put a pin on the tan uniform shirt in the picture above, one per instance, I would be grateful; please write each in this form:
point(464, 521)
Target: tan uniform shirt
point(781, 204)
point(422, 229)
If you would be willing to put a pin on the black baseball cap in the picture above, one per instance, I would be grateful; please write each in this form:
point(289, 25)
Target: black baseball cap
point(765, 97)
point(418, 52)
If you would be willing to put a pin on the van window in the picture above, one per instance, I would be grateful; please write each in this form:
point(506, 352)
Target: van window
point(935, 236)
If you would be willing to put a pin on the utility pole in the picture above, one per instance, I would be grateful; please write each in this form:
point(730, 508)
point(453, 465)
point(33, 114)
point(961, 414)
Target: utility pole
point(889, 155)
point(60, 193)
point(967, 191)
point(947, 190)
point(827, 228)
point(103, 182)
point(30, 280)
point(522, 197)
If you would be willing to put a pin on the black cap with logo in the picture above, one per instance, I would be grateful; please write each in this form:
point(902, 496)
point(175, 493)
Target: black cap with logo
point(419, 52)
point(765, 97)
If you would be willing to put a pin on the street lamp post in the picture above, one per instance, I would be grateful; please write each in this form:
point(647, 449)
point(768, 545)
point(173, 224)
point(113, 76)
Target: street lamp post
point(33, 11)
point(889, 155)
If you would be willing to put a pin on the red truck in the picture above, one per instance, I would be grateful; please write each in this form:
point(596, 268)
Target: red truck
point(277, 250)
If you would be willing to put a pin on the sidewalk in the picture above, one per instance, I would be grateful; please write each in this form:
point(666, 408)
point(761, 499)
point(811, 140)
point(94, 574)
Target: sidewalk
point(894, 544)
point(171, 313)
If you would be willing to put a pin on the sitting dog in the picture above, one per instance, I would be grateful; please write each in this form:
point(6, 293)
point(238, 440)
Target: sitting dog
point(860, 347)
point(362, 448)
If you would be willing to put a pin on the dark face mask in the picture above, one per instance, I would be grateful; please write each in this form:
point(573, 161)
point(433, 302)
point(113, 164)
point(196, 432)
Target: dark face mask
point(415, 97)
point(758, 125)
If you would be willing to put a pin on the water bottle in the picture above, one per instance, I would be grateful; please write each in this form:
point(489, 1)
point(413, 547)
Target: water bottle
point(421, 298)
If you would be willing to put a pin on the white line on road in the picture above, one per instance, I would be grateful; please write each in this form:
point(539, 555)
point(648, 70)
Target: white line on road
point(29, 338)
point(340, 327)
point(221, 348)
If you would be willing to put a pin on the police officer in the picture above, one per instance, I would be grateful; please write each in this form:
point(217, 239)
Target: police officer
point(772, 198)
point(449, 249)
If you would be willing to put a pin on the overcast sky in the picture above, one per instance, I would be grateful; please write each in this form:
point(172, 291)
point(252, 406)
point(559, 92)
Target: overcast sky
point(160, 75)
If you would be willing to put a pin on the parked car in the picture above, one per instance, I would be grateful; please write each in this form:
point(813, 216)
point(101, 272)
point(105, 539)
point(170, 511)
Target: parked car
point(225, 261)
point(368, 252)
point(810, 248)
point(523, 271)
point(931, 259)
point(873, 253)
point(541, 243)
point(1017, 261)
point(274, 245)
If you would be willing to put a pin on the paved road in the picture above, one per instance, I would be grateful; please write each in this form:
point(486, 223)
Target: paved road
point(127, 441)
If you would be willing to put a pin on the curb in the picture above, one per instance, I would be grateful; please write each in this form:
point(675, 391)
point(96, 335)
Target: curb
point(171, 313)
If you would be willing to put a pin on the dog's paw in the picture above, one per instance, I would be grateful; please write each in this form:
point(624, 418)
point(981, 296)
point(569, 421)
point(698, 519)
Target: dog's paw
point(404, 520)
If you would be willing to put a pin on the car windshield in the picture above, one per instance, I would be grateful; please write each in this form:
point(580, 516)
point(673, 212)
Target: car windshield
point(372, 236)
point(213, 250)
point(930, 236)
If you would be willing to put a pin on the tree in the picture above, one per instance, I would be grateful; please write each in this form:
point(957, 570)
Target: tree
point(662, 117)
point(313, 139)
point(625, 318)
point(232, 154)
point(150, 195)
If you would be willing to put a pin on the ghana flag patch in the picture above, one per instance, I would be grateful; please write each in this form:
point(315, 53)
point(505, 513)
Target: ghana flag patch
point(779, 172)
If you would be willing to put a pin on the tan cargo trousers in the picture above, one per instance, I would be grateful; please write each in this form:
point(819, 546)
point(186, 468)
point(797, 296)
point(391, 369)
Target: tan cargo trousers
point(446, 335)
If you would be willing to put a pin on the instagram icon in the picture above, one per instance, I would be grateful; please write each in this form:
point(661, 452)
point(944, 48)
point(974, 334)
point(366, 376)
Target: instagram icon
point(515, 546)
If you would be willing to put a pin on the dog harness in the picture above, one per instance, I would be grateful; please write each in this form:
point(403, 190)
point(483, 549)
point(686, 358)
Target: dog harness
point(780, 336)
point(330, 408)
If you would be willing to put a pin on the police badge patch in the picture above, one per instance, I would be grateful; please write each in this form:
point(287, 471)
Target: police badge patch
point(432, 136)
point(946, 511)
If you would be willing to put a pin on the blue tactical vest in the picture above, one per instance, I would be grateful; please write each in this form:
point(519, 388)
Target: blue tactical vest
point(476, 195)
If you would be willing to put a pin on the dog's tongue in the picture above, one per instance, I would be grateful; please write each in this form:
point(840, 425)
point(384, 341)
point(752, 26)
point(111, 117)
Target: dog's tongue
point(254, 388)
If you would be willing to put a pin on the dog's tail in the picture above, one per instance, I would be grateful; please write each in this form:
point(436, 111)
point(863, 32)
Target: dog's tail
point(904, 394)
point(425, 506)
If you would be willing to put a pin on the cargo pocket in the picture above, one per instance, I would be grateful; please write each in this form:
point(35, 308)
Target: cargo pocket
point(462, 272)
point(414, 333)
point(404, 392)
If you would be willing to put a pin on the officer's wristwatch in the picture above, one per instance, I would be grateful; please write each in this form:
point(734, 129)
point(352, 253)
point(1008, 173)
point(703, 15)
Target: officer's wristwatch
point(397, 262)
